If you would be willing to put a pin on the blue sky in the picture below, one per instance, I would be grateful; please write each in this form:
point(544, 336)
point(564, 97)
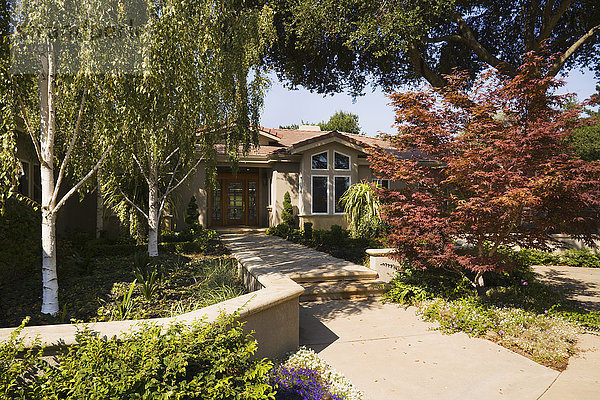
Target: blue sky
point(285, 107)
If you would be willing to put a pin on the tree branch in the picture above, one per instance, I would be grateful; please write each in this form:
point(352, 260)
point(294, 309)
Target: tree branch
point(422, 67)
point(133, 204)
point(63, 165)
point(447, 38)
point(550, 20)
point(171, 155)
point(83, 180)
point(168, 192)
point(141, 168)
point(557, 66)
point(36, 144)
point(483, 54)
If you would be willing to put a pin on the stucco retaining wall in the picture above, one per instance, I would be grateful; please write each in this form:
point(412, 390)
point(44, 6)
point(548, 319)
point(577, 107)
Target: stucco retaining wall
point(380, 262)
point(270, 310)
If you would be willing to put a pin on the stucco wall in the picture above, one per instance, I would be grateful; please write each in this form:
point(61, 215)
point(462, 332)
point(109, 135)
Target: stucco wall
point(193, 187)
point(284, 178)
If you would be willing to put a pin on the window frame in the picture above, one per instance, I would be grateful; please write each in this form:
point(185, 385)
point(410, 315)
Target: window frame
point(379, 182)
point(345, 155)
point(312, 194)
point(326, 152)
point(334, 200)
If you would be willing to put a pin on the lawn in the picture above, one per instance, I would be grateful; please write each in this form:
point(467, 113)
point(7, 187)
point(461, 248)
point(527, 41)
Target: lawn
point(96, 286)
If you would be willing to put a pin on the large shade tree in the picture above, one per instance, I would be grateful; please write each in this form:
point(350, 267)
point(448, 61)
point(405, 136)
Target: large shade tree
point(491, 166)
point(202, 86)
point(336, 45)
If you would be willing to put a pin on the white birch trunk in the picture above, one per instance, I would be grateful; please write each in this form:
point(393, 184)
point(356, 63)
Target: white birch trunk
point(153, 210)
point(47, 118)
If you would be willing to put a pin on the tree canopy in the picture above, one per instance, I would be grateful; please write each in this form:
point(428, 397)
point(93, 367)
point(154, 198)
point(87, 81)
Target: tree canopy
point(337, 45)
point(490, 166)
point(341, 121)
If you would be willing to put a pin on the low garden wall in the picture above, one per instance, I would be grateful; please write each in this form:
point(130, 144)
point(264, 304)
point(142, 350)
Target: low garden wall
point(270, 310)
point(380, 262)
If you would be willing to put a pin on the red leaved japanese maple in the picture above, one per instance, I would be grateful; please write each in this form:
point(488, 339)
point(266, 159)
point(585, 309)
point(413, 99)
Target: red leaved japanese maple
point(490, 165)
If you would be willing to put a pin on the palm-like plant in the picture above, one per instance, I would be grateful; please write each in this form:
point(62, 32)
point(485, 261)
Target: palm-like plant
point(361, 206)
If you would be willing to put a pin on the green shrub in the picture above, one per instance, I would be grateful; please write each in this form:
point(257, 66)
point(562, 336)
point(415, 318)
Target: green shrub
point(20, 243)
point(287, 215)
point(281, 230)
point(307, 233)
point(192, 213)
point(201, 361)
point(581, 258)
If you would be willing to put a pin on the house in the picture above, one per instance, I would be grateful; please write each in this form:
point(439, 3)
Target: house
point(315, 167)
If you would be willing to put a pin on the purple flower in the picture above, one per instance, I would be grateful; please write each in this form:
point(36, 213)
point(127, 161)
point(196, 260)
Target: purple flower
point(525, 283)
point(500, 332)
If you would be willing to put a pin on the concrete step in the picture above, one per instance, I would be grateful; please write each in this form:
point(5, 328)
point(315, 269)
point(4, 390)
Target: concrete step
point(333, 275)
point(359, 289)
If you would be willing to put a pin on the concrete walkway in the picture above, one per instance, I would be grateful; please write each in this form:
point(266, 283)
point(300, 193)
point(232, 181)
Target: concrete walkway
point(296, 261)
point(390, 353)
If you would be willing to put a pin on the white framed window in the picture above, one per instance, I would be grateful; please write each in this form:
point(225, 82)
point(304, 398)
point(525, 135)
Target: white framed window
point(319, 161)
point(341, 162)
point(383, 183)
point(320, 194)
point(340, 185)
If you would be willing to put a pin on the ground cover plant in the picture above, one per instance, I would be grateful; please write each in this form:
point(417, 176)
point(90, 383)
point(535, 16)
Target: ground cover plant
point(102, 283)
point(572, 258)
point(516, 311)
point(304, 375)
point(200, 361)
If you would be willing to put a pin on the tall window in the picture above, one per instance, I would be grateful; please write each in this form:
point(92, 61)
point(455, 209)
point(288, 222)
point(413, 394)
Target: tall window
point(341, 162)
point(341, 184)
point(320, 194)
point(319, 161)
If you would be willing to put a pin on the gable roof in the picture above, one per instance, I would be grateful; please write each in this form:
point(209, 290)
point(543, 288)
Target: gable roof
point(294, 140)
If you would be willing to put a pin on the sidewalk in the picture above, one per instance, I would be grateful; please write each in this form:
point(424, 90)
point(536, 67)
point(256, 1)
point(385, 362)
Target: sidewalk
point(390, 353)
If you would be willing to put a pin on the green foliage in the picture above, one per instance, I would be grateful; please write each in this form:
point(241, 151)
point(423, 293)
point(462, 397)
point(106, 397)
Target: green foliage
point(292, 126)
point(125, 304)
point(413, 285)
point(341, 121)
point(20, 248)
point(335, 241)
point(354, 43)
point(572, 257)
point(201, 361)
point(287, 215)
point(83, 263)
point(147, 273)
point(361, 206)
point(307, 232)
point(19, 366)
point(517, 311)
point(192, 213)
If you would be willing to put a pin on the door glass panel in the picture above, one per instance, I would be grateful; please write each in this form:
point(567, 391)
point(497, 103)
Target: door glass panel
point(216, 201)
point(235, 201)
point(251, 201)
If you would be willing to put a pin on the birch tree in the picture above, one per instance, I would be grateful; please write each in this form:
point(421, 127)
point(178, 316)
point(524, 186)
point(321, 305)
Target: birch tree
point(55, 40)
point(202, 86)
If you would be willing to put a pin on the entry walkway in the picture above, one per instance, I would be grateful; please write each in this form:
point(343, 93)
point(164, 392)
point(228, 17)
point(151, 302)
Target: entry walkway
point(390, 353)
point(323, 277)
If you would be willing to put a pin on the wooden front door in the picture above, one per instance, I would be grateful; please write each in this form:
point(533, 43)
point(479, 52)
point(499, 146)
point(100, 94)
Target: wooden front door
point(235, 201)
